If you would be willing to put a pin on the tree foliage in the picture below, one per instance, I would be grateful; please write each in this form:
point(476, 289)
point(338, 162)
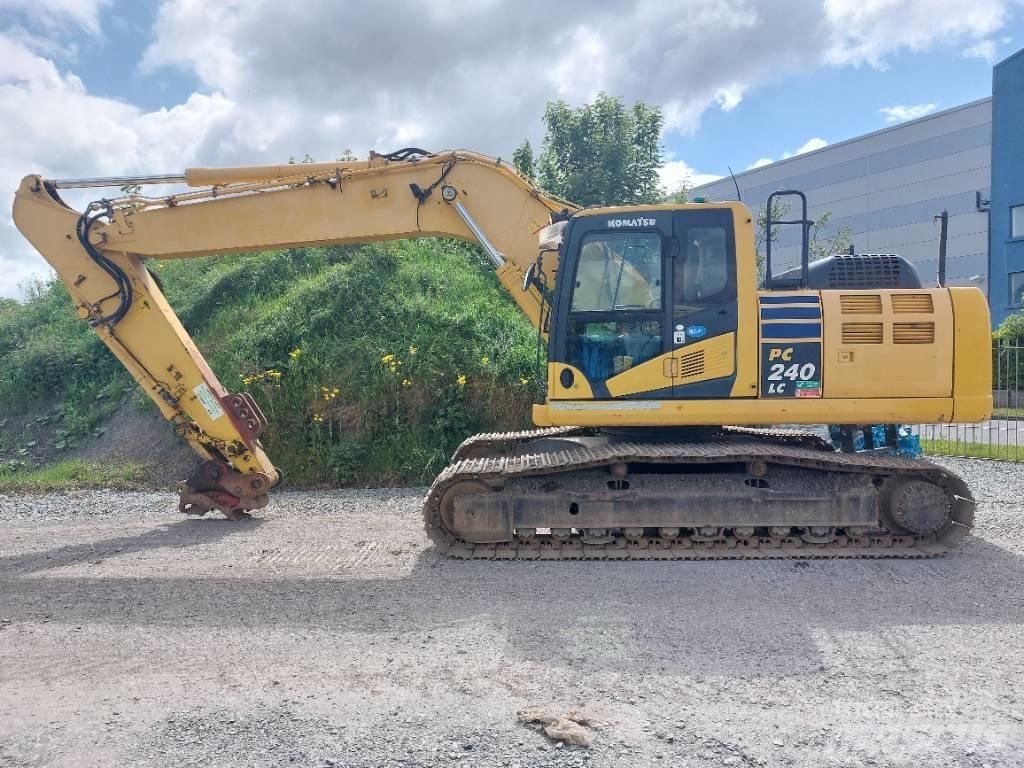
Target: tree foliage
point(824, 241)
point(603, 153)
point(522, 159)
point(1011, 329)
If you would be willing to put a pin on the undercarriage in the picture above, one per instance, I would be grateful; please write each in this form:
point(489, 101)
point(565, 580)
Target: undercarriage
point(567, 493)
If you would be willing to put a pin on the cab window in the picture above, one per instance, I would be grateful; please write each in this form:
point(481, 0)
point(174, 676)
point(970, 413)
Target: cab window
point(615, 316)
point(703, 273)
point(618, 272)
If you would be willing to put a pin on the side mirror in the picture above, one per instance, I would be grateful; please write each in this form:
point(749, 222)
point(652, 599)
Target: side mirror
point(529, 277)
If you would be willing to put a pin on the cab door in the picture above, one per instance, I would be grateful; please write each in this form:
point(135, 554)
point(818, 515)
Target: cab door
point(701, 291)
point(612, 314)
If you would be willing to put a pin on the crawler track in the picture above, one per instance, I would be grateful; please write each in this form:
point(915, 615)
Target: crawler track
point(513, 457)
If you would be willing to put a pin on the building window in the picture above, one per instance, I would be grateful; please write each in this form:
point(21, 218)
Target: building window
point(1017, 221)
point(1016, 288)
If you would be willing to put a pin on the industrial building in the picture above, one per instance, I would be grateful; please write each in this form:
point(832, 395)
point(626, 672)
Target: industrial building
point(889, 186)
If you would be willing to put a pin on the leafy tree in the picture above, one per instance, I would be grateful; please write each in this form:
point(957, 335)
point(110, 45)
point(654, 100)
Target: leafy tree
point(603, 153)
point(522, 159)
point(1011, 329)
point(822, 242)
point(681, 194)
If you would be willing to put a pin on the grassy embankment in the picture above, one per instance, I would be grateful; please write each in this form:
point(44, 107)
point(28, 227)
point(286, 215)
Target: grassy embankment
point(372, 362)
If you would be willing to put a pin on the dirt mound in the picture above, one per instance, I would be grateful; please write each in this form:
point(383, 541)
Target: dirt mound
point(144, 438)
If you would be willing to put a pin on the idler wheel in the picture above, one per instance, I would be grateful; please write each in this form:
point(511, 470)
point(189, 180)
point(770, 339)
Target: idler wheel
point(918, 506)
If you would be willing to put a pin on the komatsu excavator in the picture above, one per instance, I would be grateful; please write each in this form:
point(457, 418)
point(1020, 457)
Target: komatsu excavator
point(658, 336)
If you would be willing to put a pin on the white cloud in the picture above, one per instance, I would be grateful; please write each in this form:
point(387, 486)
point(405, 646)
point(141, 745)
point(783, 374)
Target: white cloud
point(808, 146)
point(728, 97)
point(58, 15)
point(677, 173)
point(317, 76)
point(55, 127)
point(901, 113)
point(983, 49)
point(866, 31)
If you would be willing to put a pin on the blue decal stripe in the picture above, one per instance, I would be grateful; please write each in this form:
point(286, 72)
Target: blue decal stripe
point(791, 313)
point(790, 330)
point(809, 298)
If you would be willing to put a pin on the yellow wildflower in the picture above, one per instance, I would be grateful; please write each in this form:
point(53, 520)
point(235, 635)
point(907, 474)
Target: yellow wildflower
point(387, 358)
point(406, 382)
point(524, 380)
point(295, 353)
point(413, 350)
point(485, 360)
point(461, 379)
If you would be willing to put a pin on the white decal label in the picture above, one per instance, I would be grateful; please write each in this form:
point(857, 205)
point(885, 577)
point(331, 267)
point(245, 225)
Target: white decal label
point(639, 221)
point(208, 401)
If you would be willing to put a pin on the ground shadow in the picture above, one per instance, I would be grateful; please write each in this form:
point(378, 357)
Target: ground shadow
point(181, 534)
point(733, 618)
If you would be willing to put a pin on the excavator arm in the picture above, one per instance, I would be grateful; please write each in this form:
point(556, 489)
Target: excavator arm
point(408, 194)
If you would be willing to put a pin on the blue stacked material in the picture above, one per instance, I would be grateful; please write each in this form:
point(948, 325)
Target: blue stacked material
point(908, 444)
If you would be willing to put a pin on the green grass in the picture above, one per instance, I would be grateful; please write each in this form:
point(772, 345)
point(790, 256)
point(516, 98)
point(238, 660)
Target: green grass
point(309, 332)
point(72, 473)
point(939, 447)
point(1008, 413)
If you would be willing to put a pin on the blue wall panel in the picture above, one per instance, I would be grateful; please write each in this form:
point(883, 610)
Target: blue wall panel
point(1007, 254)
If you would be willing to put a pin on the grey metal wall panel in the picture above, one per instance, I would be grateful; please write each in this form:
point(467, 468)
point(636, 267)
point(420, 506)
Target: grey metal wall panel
point(887, 188)
point(964, 124)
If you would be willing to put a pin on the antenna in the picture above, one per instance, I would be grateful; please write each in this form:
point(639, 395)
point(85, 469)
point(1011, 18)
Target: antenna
point(736, 183)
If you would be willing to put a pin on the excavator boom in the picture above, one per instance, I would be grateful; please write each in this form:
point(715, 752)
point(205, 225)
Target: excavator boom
point(99, 256)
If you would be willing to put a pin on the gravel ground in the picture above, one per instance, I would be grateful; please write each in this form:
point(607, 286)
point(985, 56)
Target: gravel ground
point(327, 633)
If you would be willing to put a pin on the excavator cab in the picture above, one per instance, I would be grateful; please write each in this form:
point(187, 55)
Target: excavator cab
point(646, 286)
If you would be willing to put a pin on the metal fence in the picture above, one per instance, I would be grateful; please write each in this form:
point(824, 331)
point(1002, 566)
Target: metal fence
point(1002, 436)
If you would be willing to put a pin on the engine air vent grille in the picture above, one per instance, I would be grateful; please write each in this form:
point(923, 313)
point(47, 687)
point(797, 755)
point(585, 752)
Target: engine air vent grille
point(860, 303)
point(691, 365)
point(913, 333)
point(912, 302)
point(862, 333)
point(865, 271)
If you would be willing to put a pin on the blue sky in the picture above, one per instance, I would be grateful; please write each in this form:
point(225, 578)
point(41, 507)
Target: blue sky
point(106, 87)
point(834, 103)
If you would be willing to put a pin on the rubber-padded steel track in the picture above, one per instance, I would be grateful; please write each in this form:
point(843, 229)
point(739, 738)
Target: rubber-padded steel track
point(735, 445)
point(495, 443)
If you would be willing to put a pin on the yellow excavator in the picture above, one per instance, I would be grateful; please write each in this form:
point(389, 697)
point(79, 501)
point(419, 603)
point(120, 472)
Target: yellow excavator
point(658, 337)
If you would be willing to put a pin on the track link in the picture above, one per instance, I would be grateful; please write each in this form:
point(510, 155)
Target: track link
point(781, 448)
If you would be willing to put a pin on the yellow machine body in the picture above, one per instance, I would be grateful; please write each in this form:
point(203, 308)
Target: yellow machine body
point(909, 356)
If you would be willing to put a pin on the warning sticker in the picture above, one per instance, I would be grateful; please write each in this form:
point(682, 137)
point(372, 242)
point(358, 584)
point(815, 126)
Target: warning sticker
point(209, 402)
point(808, 389)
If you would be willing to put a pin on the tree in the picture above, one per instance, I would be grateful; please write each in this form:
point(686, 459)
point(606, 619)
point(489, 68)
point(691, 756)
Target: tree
point(822, 241)
point(602, 153)
point(680, 195)
point(522, 159)
point(825, 242)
